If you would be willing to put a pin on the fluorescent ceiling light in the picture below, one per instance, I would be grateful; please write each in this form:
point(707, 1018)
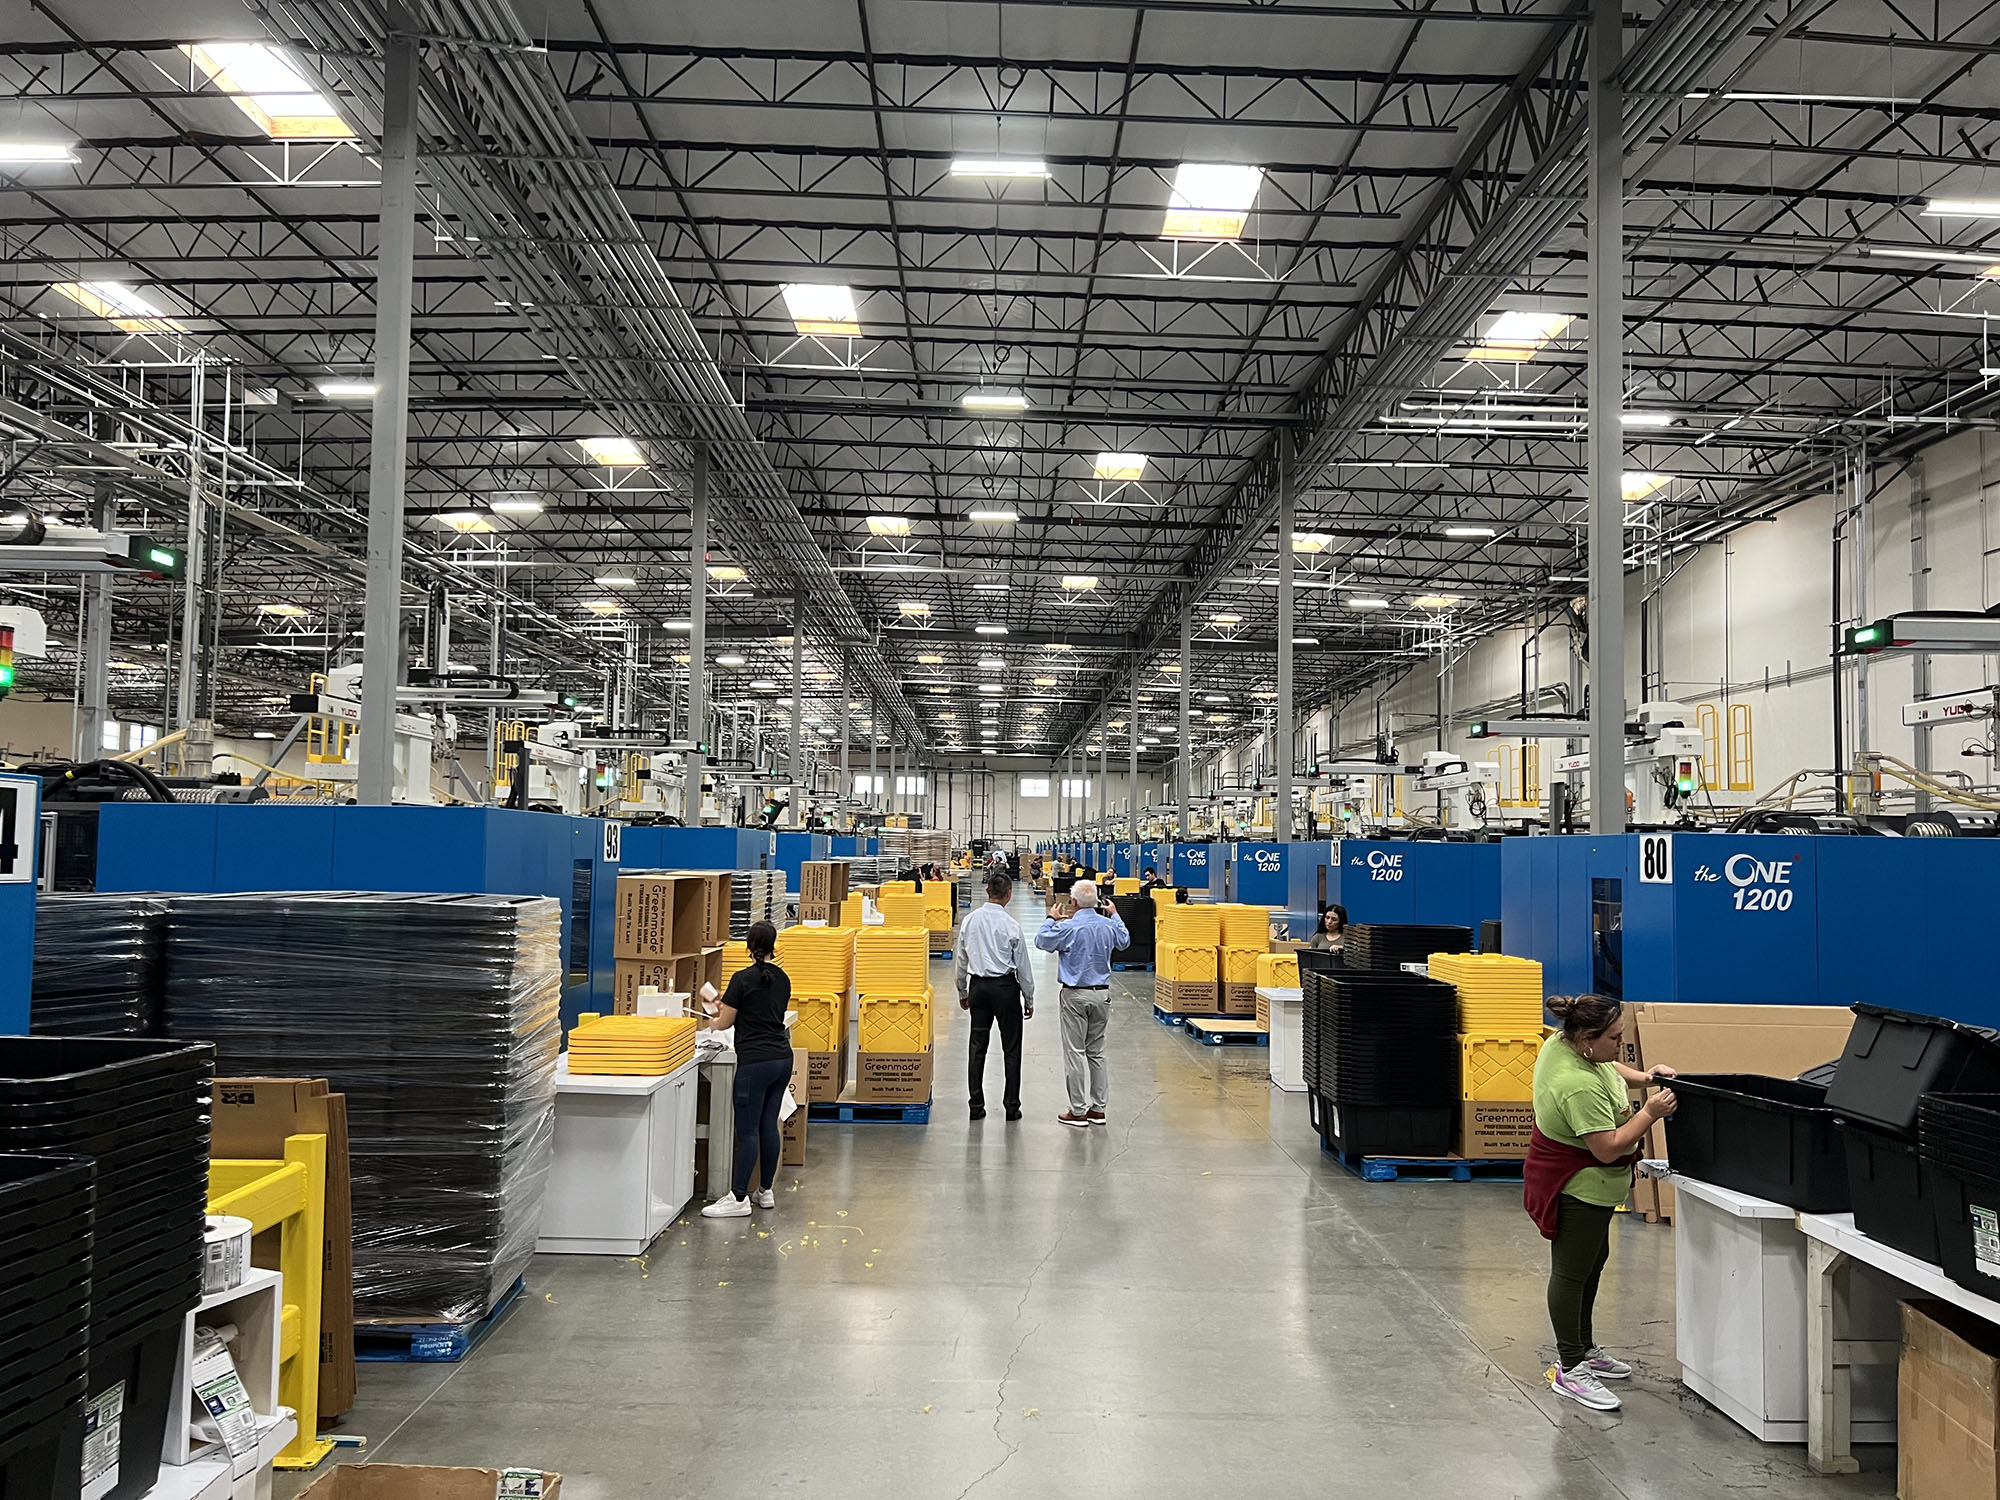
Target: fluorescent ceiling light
point(119, 304)
point(1080, 582)
point(1636, 485)
point(1305, 640)
point(989, 734)
point(1649, 418)
point(1366, 603)
point(1769, 96)
point(989, 629)
point(1210, 201)
point(763, 685)
point(616, 581)
point(729, 659)
point(1435, 601)
point(726, 573)
point(1122, 467)
point(989, 588)
point(827, 311)
point(1172, 666)
point(941, 691)
point(612, 452)
point(604, 606)
point(1311, 541)
point(1035, 708)
point(680, 627)
point(993, 400)
point(998, 166)
point(1060, 646)
point(283, 611)
point(1225, 619)
point(465, 520)
point(1468, 533)
point(34, 153)
point(1218, 718)
point(1940, 208)
point(930, 660)
point(992, 687)
point(992, 664)
point(515, 505)
point(914, 607)
point(1919, 252)
point(993, 517)
point(267, 87)
point(889, 525)
point(1215, 697)
point(1045, 682)
point(1517, 336)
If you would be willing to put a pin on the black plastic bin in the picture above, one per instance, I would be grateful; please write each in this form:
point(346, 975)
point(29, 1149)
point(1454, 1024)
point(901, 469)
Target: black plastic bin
point(1887, 1186)
point(1769, 1137)
point(44, 1461)
point(1385, 1130)
point(139, 1367)
point(1895, 1057)
point(1966, 1208)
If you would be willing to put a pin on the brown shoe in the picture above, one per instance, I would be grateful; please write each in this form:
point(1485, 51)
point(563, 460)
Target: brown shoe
point(1096, 1117)
point(1081, 1122)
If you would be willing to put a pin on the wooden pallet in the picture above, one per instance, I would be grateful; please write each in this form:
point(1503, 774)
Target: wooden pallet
point(1425, 1168)
point(1222, 1031)
point(429, 1343)
point(855, 1112)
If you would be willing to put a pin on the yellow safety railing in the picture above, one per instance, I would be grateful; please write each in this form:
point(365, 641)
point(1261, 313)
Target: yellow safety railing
point(289, 1195)
point(326, 738)
point(1742, 750)
point(1709, 722)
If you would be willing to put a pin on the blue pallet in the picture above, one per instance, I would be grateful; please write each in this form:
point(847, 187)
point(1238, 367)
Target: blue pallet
point(1133, 968)
point(1429, 1168)
point(941, 953)
point(849, 1112)
point(1208, 1036)
point(429, 1343)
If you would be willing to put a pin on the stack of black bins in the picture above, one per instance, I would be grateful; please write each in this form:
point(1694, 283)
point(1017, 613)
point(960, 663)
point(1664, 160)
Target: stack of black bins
point(1893, 1059)
point(1387, 946)
point(1772, 1138)
point(139, 1111)
point(437, 1016)
point(1958, 1139)
point(45, 1215)
point(1381, 1058)
point(97, 965)
point(1137, 912)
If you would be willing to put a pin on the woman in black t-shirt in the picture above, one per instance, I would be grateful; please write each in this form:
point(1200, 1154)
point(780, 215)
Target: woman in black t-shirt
point(755, 1004)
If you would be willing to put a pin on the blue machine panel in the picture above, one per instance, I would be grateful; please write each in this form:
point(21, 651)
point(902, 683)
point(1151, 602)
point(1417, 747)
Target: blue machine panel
point(157, 846)
point(1160, 857)
point(20, 848)
point(1311, 880)
point(1123, 861)
point(792, 850)
point(658, 847)
point(1397, 880)
point(1260, 874)
point(1202, 868)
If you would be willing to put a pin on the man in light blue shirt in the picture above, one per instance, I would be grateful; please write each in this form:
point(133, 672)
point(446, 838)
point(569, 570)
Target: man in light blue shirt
point(1083, 944)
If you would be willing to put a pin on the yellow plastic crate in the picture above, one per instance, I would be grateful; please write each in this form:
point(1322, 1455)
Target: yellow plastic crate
point(892, 960)
point(822, 1022)
point(1246, 926)
point(1498, 995)
point(818, 960)
point(1164, 896)
point(902, 908)
point(896, 1023)
point(1178, 961)
point(1278, 971)
point(631, 1044)
point(1498, 1069)
point(852, 910)
point(1239, 965)
point(896, 887)
point(735, 955)
point(1190, 926)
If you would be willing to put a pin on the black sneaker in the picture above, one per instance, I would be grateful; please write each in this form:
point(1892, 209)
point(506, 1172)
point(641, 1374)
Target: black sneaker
point(979, 1114)
point(1013, 1114)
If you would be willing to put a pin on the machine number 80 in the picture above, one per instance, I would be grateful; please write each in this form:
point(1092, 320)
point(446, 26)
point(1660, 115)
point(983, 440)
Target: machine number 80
point(1763, 898)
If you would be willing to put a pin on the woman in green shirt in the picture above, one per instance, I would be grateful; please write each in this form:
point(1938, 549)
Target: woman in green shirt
point(1579, 1170)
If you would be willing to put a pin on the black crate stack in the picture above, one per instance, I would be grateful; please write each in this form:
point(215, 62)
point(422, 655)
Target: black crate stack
point(98, 965)
point(1381, 1058)
point(1958, 1138)
point(1387, 946)
point(45, 1214)
point(138, 1112)
point(438, 1017)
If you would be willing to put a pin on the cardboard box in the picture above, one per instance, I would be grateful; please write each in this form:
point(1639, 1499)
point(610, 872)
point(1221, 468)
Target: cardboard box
point(629, 975)
point(1239, 999)
point(1947, 1405)
point(826, 1075)
point(793, 1153)
point(1263, 1014)
point(642, 917)
point(1188, 997)
point(414, 1482)
point(250, 1118)
point(893, 1077)
point(823, 881)
point(819, 911)
point(1490, 1131)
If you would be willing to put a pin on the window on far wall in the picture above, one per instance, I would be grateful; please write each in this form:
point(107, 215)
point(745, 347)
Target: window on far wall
point(1034, 786)
point(1076, 786)
point(911, 786)
point(866, 785)
point(114, 735)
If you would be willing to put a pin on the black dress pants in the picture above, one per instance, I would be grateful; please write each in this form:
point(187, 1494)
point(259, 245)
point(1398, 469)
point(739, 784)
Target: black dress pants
point(995, 998)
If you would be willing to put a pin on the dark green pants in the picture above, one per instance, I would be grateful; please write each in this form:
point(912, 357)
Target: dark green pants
point(1576, 1261)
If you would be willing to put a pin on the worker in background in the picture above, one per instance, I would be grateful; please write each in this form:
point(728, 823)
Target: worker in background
point(997, 985)
point(1148, 878)
point(1083, 938)
point(755, 1004)
point(1581, 1152)
point(1332, 934)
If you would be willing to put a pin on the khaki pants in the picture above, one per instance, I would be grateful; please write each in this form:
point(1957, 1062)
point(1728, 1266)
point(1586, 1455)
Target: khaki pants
point(1086, 1015)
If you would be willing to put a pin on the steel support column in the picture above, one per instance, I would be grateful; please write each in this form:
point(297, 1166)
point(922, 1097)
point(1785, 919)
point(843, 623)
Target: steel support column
point(1132, 771)
point(1283, 730)
point(96, 638)
point(382, 644)
point(1607, 442)
point(1185, 751)
point(697, 621)
point(796, 774)
point(846, 788)
point(194, 559)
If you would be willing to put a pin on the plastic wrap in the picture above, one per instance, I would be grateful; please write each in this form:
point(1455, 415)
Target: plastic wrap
point(98, 969)
point(438, 1017)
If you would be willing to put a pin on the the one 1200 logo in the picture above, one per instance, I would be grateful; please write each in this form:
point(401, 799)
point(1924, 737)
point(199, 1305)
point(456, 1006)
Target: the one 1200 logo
point(1760, 884)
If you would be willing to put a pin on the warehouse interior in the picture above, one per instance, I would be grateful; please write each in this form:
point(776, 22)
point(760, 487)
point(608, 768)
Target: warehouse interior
point(1119, 521)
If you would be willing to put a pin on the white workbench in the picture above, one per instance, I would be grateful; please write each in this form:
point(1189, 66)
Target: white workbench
point(1835, 1356)
point(624, 1160)
point(1288, 1038)
point(1740, 1316)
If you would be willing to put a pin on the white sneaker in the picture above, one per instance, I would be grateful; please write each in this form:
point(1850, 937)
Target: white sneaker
point(1582, 1387)
point(729, 1206)
point(766, 1199)
point(1604, 1367)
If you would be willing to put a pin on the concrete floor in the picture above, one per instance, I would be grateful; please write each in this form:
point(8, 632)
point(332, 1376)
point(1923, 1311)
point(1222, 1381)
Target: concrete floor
point(1192, 1302)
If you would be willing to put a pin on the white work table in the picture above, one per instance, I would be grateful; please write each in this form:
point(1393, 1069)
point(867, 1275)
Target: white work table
point(624, 1160)
point(1835, 1249)
point(1286, 1008)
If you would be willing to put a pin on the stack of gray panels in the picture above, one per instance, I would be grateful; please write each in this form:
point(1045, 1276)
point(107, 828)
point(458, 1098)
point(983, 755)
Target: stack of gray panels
point(97, 965)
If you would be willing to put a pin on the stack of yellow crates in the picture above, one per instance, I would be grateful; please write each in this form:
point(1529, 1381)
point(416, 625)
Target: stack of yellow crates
point(1189, 926)
point(902, 905)
point(1187, 957)
point(1499, 1023)
point(820, 963)
point(1278, 971)
point(897, 1023)
point(631, 1045)
point(822, 1022)
point(735, 955)
point(818, 960)
point(1245, 926)
point(938, 912)
point(897, 1019)
point(892, 960)
point(852, 910)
